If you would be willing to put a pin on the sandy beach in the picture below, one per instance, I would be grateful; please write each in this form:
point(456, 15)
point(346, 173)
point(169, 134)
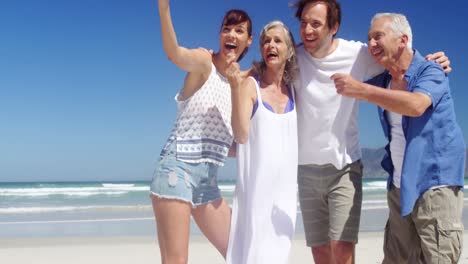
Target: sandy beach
point(143, 249)
point(55, 224)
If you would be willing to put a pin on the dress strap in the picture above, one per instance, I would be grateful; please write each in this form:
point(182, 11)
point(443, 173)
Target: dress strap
point(257, 88)
point(292, 92)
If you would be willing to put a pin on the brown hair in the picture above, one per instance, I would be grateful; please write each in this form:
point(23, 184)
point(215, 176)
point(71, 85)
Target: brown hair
point(333, 11)
point(235, 17)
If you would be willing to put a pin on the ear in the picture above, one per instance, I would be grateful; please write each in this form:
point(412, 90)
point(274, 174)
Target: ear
point(335, 29)
point(404, 41)
point(249, 41)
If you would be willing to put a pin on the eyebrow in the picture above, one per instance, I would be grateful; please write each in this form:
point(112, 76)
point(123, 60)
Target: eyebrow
point(374, 32)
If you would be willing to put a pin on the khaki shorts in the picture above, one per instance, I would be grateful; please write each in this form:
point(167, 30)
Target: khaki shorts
point(330, 202)
point(432, 233)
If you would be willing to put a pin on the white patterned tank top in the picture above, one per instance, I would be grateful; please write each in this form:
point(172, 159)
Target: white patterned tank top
point(202, 130)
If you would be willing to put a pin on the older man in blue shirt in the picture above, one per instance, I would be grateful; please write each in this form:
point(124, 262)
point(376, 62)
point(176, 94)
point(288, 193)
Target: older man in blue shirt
point(426, 152)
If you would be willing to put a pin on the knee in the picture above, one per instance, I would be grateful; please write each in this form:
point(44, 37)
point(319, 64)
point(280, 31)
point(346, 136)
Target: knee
point(343, 251)
point(342, 245)
point(175, 259)
point(321, 248)
point(174, 255)
point(322, 253)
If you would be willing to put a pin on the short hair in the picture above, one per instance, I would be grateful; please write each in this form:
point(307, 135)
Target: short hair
point(291, 69)
point(333, 11)
point(235, 17)
point(399, 25)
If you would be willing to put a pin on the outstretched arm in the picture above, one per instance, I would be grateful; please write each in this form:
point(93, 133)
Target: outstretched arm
point(190, 60)
point(394, 100)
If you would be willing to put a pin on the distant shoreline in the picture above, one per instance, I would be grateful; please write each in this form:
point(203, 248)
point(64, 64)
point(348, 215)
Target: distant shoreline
point(133, 182)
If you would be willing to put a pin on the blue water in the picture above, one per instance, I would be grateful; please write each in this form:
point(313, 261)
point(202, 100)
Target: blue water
point(117, 208)
point(27, 198)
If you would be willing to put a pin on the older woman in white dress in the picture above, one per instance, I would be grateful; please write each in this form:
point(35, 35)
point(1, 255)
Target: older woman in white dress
point(265, 128)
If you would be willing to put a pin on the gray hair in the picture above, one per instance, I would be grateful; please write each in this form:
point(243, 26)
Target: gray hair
point(399, 25)
point(291, 69)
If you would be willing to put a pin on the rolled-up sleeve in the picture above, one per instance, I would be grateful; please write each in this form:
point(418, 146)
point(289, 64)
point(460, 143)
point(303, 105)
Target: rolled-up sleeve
point(433, 82)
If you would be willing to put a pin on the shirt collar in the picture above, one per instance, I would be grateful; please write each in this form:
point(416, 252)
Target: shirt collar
point(416, 62)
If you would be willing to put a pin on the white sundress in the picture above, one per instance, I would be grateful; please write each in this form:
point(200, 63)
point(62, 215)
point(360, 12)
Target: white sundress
point(265, 199)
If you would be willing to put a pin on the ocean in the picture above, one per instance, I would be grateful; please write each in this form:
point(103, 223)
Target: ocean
point(57, 209)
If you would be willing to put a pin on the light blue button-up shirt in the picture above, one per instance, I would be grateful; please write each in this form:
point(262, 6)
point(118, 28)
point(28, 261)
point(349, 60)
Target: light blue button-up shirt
point(435, 149)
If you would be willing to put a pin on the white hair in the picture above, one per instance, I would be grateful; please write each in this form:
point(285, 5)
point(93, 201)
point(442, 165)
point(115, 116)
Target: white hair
point(291, 68)
point(399, 25)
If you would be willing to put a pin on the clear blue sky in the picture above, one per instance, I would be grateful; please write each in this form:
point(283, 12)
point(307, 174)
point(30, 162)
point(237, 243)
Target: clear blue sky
point(86, 92)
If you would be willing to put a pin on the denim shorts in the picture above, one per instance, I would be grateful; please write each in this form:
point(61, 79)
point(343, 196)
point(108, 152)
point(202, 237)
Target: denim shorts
point(195, 183)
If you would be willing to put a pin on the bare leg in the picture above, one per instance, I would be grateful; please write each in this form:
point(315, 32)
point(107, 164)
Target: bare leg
point(214, 220)
point(322, 254)
point(342, 251)
point(173, 223)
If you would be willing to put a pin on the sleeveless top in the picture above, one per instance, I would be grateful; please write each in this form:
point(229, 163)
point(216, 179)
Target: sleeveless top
point(289, 105)
point(265, 199)
point(202, 130)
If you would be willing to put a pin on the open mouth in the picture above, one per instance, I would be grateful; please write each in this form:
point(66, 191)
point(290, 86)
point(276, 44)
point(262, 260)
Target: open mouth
point(230, 46)
point(376, 52)
point(272, 54)
point(310, 39)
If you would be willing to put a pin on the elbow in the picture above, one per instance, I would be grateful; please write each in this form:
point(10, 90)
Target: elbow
point(417, 111)
point(173, 58)
point(173, 55)
point(241, 139)
point(240, 130)
point(419, 105)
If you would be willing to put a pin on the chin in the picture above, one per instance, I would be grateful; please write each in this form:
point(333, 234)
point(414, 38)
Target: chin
point(230, 53)
point(380, 62)
point(310, 48)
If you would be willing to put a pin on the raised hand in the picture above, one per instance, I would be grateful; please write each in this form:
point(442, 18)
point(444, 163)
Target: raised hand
point(233, 73)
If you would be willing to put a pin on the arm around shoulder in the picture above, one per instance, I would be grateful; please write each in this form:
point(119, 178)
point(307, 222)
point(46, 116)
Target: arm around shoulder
point(441, 59)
